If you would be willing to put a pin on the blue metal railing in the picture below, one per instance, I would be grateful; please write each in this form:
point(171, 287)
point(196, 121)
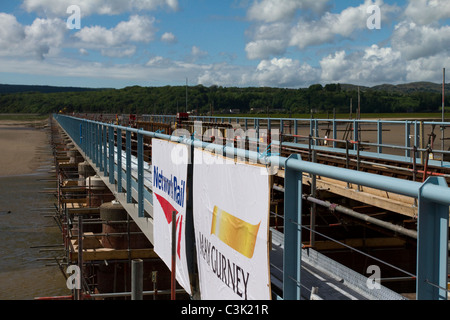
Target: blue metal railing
point(433, 196)
point(412, 132)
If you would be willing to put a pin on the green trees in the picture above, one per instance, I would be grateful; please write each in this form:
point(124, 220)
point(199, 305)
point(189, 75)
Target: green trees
point(201, 99)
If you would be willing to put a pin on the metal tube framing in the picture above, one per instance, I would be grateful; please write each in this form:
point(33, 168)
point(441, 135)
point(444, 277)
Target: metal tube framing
point(433, 196)
point(137, 279)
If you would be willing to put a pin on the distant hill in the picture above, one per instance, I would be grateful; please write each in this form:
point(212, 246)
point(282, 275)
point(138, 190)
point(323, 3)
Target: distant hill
point(390, 88)
point(401, 88)
point(420, 97)
point(8, 88)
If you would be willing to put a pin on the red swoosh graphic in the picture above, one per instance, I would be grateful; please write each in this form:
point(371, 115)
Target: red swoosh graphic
point(168, 209)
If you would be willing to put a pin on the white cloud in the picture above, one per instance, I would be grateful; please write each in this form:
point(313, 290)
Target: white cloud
point(127, 51)
point(83, 52)
point(267, 40)
point(137, 29)
point(222, 74)
point(419, 46)
point(158, 61)
point(280, 29)
point(284, 72)
point(427, 68)
point(419, 41)
point(280, 10)
point(427, 11)
point(42, 38)
point(103, 7)
point(11, 32)
point(332, 25)
point(168, 37)
point(281, 72)
point(197, 53)
point(260, 49)
point(372, 66)
point(87, 71)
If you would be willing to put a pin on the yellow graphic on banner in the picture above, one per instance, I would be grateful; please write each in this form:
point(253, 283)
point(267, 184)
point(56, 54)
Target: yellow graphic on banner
point(234, 232)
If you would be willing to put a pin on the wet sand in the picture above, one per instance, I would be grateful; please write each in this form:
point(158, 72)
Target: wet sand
point(20, 145)
point(26, 272)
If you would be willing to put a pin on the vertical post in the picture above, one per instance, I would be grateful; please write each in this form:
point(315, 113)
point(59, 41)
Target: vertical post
point(416, 135)
point(85, 136)
point(100, 147)
point(313, 205)
point(105, 151)
point(81, 135)
point(111, 154)
point(129, 187)
point(92, 156)
point(292, 231)
point(281, 131)
point(140, 153)
point(347, 160)
point(155, 284)
point(296, 130)
point(407, 139)
point(334, 133)
point(316, 129)
point(89, 139)
point(309, 148)
point(119, 160)
point(379, 136)
point(358, 160)
point(137, 279)
point(94, 143)
point(422, 142)
point(355, 132)
point(257, 134)
point(432, 246)
point(174, 257)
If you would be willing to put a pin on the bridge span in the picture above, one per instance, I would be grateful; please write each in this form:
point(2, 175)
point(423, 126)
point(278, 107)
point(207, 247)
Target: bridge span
point(352, 218)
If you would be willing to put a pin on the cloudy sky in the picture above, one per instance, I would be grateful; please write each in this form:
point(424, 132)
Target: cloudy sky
point(278, 43)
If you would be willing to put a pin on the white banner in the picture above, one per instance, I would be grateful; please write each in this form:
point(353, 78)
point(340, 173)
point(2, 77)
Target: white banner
point(169, 169)
point(231, 214)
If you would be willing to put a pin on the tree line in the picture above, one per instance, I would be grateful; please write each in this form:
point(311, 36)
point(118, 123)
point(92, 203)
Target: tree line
point(223, 100)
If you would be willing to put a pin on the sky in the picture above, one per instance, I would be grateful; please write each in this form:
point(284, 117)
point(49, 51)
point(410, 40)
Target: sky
point(230, 43)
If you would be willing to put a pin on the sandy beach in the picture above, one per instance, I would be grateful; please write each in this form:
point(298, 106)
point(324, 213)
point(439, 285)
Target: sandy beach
point(20, 142)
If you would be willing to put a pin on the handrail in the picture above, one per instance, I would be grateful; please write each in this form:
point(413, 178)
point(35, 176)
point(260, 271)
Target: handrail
point(395, 185)
point(433, 198)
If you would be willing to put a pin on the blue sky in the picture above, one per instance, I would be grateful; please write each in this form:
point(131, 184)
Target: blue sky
point(278, 43)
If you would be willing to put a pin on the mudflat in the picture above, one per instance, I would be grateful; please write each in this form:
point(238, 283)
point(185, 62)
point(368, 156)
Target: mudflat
point(20, 142)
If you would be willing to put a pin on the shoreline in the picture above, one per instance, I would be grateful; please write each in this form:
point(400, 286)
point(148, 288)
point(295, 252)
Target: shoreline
point(20, 143)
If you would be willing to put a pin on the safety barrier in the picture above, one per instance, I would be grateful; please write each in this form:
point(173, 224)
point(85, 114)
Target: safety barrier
point(98, 141)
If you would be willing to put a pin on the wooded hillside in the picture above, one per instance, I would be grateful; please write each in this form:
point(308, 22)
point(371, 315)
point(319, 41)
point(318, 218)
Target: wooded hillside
point(412, 98)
